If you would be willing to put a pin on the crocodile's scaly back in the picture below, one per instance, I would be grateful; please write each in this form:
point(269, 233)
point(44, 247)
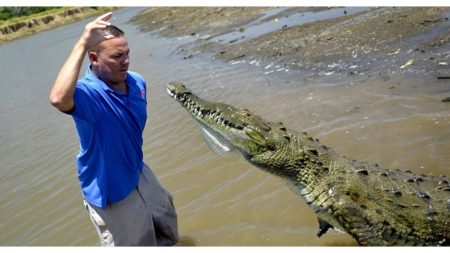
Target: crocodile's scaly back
point(374, 205)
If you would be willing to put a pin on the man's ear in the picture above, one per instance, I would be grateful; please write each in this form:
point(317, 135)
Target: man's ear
point(93, 57)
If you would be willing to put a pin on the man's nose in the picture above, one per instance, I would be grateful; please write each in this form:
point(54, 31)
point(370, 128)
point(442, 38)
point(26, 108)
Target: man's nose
point(125, 60)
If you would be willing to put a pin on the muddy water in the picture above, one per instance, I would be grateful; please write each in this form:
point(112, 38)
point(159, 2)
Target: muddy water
point(399, 123)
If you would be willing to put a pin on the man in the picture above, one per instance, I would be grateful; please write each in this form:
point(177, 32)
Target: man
point(126, 203)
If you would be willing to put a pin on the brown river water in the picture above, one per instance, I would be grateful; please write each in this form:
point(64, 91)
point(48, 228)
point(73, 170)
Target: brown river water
point(399, 123)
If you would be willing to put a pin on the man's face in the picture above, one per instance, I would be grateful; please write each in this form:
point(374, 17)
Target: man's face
point(111, 60)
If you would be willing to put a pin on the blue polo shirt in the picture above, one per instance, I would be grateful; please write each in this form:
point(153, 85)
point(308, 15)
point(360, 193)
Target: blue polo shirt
point(109, 125)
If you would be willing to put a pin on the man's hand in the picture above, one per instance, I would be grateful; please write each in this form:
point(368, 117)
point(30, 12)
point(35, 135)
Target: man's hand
point(92, 34)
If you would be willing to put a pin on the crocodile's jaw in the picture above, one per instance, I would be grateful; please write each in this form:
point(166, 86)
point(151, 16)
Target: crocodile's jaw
point(226, 127)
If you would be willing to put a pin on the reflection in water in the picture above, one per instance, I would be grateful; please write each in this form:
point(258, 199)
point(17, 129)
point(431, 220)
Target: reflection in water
point(399, 123)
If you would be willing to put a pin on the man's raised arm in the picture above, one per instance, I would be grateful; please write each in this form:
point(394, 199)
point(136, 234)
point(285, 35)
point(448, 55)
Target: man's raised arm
point(61, 94)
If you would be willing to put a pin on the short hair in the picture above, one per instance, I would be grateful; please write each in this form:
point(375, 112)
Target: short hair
point(110, 30)
point(113, 30)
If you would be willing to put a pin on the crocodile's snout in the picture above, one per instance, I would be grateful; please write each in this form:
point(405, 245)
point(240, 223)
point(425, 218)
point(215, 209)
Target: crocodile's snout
point(176, 90)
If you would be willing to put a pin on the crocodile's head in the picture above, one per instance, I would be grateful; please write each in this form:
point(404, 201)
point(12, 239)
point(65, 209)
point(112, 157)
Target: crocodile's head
point(225, 127)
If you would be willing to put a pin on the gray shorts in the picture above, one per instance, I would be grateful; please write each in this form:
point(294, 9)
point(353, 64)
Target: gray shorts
point(146, 217)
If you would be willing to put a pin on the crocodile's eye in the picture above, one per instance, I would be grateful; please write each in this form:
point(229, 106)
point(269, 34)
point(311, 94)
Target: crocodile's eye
point(244, 113)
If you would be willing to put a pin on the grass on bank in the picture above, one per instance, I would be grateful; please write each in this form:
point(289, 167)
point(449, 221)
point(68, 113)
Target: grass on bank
point(8, 16)
point(7, 13)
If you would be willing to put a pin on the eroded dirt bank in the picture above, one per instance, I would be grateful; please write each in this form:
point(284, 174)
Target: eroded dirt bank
point(45, 21)
point(382, 42)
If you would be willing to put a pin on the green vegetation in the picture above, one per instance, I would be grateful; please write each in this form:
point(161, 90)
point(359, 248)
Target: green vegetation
point(16, 22)
point(7, 13)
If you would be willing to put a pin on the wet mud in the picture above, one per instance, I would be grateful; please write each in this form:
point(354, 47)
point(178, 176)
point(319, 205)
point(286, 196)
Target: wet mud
point(343, 42)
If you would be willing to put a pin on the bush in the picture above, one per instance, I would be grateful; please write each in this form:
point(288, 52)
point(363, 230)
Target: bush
point(12, 12)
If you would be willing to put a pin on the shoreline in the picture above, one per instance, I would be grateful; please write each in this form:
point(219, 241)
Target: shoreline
point(26, 26)
point(381, 42)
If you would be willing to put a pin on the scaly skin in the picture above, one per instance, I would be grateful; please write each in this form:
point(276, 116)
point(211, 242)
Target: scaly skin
point(375, 206)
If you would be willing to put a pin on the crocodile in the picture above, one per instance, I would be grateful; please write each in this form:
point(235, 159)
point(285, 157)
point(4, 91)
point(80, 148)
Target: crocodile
point(376, 206)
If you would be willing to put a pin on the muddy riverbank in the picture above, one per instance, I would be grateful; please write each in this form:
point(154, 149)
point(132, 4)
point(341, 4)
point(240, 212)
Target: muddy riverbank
point(335, 42)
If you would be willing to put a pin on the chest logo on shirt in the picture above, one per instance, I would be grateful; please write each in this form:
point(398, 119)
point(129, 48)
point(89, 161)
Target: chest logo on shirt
point(142, 93)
